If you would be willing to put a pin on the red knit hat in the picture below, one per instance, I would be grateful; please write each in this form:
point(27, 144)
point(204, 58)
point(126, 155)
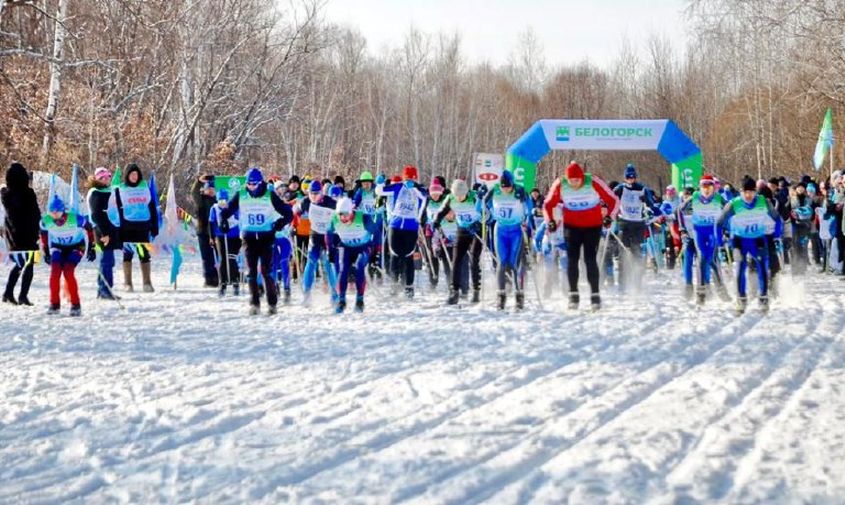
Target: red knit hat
point(706, 179)
point(574, 171)
point(396, 178)
point(409, 172)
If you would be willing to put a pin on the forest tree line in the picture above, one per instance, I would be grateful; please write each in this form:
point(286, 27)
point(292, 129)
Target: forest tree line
point(199, 86)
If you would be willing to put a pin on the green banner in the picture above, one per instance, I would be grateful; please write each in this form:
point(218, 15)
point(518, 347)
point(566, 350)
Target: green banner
point(231, 183)
point(524, 172)
point(687, 172)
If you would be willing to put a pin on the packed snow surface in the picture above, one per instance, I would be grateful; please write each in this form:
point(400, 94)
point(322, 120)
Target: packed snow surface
point(183, 397)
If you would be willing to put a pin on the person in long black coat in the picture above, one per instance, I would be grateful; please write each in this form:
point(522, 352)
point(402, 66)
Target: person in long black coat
point(22, 223)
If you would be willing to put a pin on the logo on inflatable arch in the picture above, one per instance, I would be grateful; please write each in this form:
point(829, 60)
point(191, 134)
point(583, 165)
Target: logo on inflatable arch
point(562, 134)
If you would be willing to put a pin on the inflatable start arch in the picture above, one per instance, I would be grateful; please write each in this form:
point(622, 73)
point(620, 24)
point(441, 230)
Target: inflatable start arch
point(661, 135)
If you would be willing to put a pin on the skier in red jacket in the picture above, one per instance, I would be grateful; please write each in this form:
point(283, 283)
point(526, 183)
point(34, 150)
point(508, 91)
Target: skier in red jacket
point(587, 202)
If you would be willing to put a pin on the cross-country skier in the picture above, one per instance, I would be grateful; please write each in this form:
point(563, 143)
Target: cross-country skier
point(228, 245)
point(319, 209)
point(510, 209)
point(365, 199)
point(432, 236)
point(634, 199)
point(751, 218)
point(66, 237)
point(351, 232)
point(582, 195)
point(405, 204)
point(467, 208)
point(261, 214)
point(702, 236)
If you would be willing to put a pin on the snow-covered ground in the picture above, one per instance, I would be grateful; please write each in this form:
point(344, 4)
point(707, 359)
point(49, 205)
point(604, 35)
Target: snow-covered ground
point(182, 397)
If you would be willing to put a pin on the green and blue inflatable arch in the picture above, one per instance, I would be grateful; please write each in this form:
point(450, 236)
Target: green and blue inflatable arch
point(661, 135)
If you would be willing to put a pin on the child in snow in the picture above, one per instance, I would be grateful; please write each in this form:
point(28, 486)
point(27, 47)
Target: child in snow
point(65, 237)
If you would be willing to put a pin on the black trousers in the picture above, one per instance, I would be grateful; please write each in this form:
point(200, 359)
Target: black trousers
point(22, 265)
point(402, 245)
point(466, 243)
point(209, 273)
point(586, 240)
point(259, 248)
point(232, 246)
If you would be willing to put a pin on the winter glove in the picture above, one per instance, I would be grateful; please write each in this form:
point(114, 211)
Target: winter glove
point(607, 221)
point(551, 226)
point(47, 258)
point(224, 226)
point(380, 179)
point(91, 255)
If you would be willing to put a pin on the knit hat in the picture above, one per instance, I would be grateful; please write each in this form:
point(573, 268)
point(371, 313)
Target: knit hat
point(409, 172)
point(294, 179)
point(102, 173)
point(56, 204)
point(811, 188)
point(630, 171)
point(706, 179)
point(749, 184)
point(436, 188)
point(339, 181)
point(574, 171)
point(506, 181)
point(254, 175)
point(460, 188)
point(222, 195)
point(315, 187)
point(396, 178)
point(345, 206)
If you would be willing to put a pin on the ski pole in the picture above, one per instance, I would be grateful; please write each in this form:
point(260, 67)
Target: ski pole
point(108, 288)
point(533, 272)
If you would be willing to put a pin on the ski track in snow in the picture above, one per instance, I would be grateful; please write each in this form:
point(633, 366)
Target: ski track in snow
point(182, 397)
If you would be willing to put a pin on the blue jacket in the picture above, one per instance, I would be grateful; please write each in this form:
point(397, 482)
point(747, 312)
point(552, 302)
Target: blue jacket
point(417, 196)
point(214, 224)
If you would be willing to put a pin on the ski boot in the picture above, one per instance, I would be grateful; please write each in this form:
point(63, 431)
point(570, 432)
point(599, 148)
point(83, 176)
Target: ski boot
point(700, 295)
point(453, 297)
point(741, 305)
point(689, 292)
point(236, 288)
point(254, 310)
point(764, 304)
point(286, 297)
point(409, 292)
point(595, 302)
point(75, 311)
point(476, 296)
point(574, 300)
point(359, 304)
point(340, 306)
point(520, 300)
point(501, 297)
point(53, 310)
point(221, 291)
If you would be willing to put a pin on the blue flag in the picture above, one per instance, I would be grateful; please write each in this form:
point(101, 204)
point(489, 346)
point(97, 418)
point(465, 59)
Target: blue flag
point(175, 264)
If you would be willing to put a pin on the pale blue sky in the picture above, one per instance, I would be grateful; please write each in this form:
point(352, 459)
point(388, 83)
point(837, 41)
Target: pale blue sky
point(568, 30)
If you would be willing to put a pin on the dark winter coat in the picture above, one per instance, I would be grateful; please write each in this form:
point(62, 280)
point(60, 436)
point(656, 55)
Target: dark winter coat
point(23, 217)
point(98, 205)
point(136, 232)
point(203, 204)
